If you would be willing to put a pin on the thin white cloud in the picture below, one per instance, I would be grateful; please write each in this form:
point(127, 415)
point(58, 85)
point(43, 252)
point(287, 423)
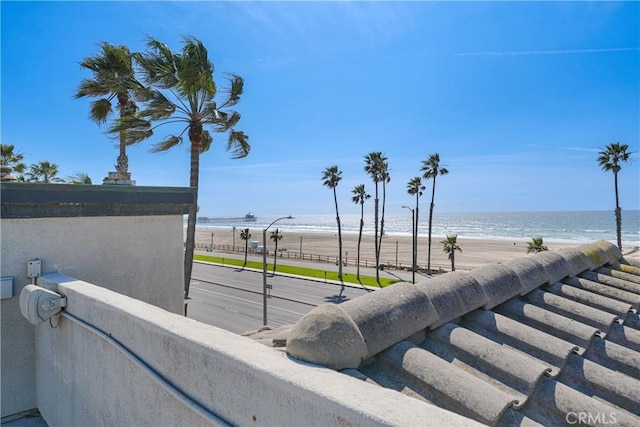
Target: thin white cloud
point(585, 149)
point(547, 52)
point(281, 165)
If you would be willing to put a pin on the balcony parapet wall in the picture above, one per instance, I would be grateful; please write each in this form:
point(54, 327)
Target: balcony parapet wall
point(234, 378)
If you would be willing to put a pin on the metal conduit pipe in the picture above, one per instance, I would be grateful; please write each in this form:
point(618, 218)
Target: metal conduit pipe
point(207, 415)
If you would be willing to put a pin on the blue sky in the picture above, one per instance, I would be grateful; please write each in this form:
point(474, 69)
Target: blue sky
point(517, 98)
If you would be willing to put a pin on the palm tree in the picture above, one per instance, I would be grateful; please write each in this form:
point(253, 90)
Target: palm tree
point(183, 91)
point(331, 177)
point(375, 167)
point(431, 168)
point(113, 79)
point(43, 172)
point(450, 246)
point(415, 187)
point(9, 157)
point(360, 195)
point(275, 237)
point(610, 159)
point(245, 235)
point(536, 245)
point(386, 178)
point(80, 178)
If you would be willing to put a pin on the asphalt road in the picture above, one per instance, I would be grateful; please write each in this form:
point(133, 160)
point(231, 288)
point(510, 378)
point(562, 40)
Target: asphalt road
point(231, 298)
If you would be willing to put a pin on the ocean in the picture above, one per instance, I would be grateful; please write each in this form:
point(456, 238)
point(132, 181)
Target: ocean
point(565, 226)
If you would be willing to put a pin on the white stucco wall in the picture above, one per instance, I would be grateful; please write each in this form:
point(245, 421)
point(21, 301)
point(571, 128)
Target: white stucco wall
point(134, 255)
point(83, 380)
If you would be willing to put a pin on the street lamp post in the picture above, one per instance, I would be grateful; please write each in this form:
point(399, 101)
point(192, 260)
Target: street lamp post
point(264, 269)
point(413, 242)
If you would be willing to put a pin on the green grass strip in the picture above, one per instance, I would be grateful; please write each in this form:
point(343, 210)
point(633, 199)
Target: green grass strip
point(300, 271)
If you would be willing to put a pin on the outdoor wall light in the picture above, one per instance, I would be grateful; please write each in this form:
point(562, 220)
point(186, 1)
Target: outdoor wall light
point(39, 304)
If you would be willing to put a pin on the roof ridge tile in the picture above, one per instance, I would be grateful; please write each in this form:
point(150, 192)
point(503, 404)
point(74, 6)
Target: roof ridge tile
point(498, 282)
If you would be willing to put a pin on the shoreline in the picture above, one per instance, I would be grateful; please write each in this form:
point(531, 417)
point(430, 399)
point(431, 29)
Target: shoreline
point(396, 249)
point(525, 239)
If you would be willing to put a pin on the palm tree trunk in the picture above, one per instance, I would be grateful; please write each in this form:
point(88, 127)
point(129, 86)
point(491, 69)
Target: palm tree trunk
point(415, 236)
point(123, 162)
point(375, 236)
point(384, 196)
point(360, 238)
point(618, 212)
point(275, 256)
point(195, 138)
point(335, 199)
point(453, 259)
point(433, 194)
point(246, 250)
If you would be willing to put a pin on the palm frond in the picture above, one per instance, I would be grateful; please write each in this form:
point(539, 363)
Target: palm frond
point(167, 144)
point(158, 64)
point(80, 178)
point(360, 195)
point(331, 176)
point(206, 141)
point(91, 88)
point(238, 144)
point(226, 121)
point(194, 70)
point(10, 157)
point(100, 110)
point(414, 186)
point(134, 136)
point(158, 106)
point(611, 157)
point(134, 129)
point(234, 90)
point(129, 123)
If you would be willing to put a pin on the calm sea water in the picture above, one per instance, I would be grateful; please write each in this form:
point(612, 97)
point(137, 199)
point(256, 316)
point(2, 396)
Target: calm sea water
point(577, 226)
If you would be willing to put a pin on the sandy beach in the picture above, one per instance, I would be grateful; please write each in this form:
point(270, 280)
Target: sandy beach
point(396, 250)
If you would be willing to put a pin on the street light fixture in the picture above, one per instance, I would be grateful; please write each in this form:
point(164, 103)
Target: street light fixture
point(264, 269)
point(413, 242)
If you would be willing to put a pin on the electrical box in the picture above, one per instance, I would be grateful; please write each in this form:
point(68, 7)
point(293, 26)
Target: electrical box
point(34, 268)
point(6, 289)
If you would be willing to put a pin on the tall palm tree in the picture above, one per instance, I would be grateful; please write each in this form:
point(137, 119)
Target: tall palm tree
point(43, 172)
point(113, 79)
point(183, 92)
point(450, 246)
point(331, 177)
point(12, 158)
point(360, 195)
point(536, 245)
point(275, 237)
point(610, 159)
point(245, 235)
point(431, 168)
point(415, 187)
point(375, 167)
